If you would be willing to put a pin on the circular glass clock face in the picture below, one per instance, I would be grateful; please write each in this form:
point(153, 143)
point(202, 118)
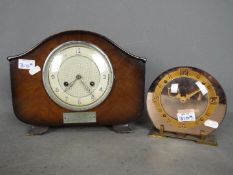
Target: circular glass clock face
point(184, 94)
point(78, 75)
point(186, 98)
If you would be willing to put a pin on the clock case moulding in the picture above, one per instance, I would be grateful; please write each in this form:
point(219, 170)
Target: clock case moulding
point(124, 104)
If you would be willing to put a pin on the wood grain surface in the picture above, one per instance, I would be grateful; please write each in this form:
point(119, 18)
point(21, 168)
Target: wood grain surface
point(125, 102)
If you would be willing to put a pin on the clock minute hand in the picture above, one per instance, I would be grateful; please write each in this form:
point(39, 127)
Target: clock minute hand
point(86, 87)
point(188, 96)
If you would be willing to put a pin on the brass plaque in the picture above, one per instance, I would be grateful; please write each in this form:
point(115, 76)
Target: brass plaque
point(79, 117)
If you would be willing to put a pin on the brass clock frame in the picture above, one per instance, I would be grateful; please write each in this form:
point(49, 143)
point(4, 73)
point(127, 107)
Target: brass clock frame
point(213, 99)
point(163, 122)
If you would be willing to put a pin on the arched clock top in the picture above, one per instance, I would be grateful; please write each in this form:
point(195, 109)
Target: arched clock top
point(76, 32)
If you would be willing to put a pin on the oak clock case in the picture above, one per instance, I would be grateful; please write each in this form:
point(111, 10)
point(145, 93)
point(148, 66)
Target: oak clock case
point(186, 100)
point(85, 78)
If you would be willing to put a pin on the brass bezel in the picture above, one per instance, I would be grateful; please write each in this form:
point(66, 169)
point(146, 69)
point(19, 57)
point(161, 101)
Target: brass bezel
point(195, 75)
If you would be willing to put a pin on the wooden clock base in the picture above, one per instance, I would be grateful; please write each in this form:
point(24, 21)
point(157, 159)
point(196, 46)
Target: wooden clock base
point(37, 130)
point(40, 130)
point(123, 128)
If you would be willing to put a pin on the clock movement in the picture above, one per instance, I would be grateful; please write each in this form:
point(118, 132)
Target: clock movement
point(186, 100)
point(77, 77)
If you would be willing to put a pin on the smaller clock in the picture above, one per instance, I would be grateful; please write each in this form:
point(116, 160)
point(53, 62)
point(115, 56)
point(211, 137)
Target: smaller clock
point(186, 100)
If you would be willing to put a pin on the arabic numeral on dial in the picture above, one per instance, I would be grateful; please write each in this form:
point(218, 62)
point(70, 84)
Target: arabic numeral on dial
point(198, 76)
point(169, 76)
point(160, 86)
point(213, 100)
point(78, 51)
point(104, 77)
point(57, 89)
point(53, 76)
point(101, 89)
point(184, 71)
point(155, 98)
point(209, 87)
point(79, 102)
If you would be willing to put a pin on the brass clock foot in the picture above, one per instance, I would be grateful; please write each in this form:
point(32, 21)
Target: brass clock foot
point(201, 139)
point(123, 128)
point(37, 130)
point(207, 140)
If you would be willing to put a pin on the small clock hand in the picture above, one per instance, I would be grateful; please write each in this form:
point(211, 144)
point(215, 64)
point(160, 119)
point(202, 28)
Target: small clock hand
point(188, 96)
point(177, 96)
point(86, 87)
point(73, 82)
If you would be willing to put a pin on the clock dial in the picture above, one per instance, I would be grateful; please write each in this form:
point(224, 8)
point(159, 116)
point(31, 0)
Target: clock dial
point(78, 75)
point(184, 99)
point(184, 93)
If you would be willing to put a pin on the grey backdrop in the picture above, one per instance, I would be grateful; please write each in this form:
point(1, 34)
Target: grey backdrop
point(169, 33)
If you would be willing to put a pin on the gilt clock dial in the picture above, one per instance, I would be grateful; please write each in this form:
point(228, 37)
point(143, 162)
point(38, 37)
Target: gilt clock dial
point(78, 75)
point(186, 100)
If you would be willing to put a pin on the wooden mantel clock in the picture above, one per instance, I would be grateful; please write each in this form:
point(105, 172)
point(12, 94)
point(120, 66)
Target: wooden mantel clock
point(77, 77)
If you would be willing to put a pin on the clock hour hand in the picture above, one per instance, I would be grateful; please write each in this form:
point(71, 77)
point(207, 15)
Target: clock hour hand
point(177, 96)
point(71, 84)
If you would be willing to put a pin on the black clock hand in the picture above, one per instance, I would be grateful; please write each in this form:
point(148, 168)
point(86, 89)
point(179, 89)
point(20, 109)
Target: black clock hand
point(78, 77)
point(87, 88)
point(73, 82)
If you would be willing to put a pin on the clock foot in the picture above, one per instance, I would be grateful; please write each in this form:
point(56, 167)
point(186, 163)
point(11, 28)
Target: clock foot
point(122, 128)
point(201, 139)
point(37, 130)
